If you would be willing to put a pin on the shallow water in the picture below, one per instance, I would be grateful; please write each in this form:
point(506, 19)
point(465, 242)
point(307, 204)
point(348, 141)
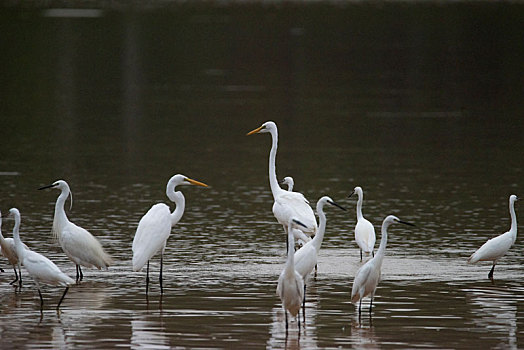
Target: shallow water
point(416, 103)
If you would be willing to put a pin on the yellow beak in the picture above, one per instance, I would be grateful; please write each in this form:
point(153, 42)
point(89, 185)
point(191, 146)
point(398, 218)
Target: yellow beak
point(195, 182)
point(254, 131)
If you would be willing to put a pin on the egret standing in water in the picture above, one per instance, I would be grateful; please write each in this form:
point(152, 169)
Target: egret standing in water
point(306, 257)
point(80, 246)
point(368, 276)
point(364, 230)
point(40, 268)
point(288, 180)
point(287, 204)
point(8, 250)
point(155, 227)
point(495, 248)
point(290, 286)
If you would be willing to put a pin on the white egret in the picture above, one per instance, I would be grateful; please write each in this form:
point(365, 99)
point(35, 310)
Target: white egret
point(40, 268)
point(364, 230)
point(80, 246)
point(288, 180)
point(7, 248)
point(306, 257)
point(290, 286)
point(496, 247)
point(155, 226)
point(287, 204)
point(368, 276)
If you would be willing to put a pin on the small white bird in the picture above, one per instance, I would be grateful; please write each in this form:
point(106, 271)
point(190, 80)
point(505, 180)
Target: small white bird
point(80, 246)
point(495, 248)
point(155, 226)
point(288, 180)
point(290, 286)
point(306, 257)
point(364, 230)
point(7, 248)
point(40, 268)
point(368, 276)
point(288, 204)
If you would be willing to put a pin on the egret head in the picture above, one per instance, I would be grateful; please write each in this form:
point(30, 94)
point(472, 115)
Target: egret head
point(14, 212)
point(266, 127)
point(357, 190)
point(59, 184)
point(392, 219)
point(513, 198)
point(326, 199)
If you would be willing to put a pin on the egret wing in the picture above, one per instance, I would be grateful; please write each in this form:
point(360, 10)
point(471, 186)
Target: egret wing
point(493, 249)
point(294, 205)
point(151, 235)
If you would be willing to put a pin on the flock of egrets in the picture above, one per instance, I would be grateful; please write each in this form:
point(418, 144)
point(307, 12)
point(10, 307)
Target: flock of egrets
point(291, 209)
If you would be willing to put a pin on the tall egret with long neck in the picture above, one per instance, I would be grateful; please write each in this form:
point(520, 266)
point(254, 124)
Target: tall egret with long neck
point(80, 246)
point(290, 286)
point(496, 248)
point(287, 204)
point(40, 268)
point(368, 276)
point(155, 226)
point(364, 230)
point(7, 246)
point(306, 257)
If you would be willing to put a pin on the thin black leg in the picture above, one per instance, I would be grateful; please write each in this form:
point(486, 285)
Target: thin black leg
point(81, 274)
point(304, 305)
point(19, 276)
point(77, 274)
point(161, 268)
point(285, 313)
point(373, 253)
point(62, 298)
point(360, 254)
point(41, 300)
point(147, 277)
point(359, 306)
point(16, 276)
point(370, 305)
point(490, 274)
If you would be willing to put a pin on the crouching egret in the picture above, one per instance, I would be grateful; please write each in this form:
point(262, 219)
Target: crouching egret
point(364, 230)
point(368, 276)
point(7, 247)
point(288, 180)
point(290, 286)
point(40, 268)
point(80, 246)
point(306, 257)
point(155, 226)
point(495, 248)
point(287, 204)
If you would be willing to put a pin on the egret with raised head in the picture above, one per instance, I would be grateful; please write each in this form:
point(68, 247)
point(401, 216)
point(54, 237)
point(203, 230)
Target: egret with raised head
point(80, 245)
point(368, 276)
point(364, 230)
point(40, 268)
point(495, 248)
point(155, 227)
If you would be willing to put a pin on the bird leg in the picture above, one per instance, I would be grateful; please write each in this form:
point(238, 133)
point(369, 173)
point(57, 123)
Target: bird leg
point(359, 307)
point(161, 267)
point(490, 274)
point(19, 275)
point(370, 305)
point(303, 306)
point(285, 314)
point(62, 298)
point(147, 277)
point(41, 300)
point(360, 254)
point(16, 276)
point(79, 274)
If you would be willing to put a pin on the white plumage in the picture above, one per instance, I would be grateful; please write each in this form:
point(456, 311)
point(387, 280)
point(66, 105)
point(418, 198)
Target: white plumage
point(7, 249)
point(287, 204)
point(155, 226)
point(40, 268)
point(364, 230)
point(290, 286)
point(78, 244)
point(497, 247)
point(368, 276)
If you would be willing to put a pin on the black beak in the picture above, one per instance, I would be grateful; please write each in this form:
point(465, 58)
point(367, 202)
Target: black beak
point(352, 193)
point(299, 223)
point(405, 223)
point(336, 205)
point(48, 186)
